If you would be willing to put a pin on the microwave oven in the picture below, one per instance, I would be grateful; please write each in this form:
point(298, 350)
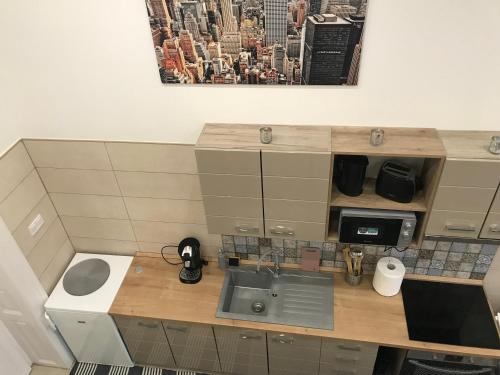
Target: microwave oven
point(376, 227)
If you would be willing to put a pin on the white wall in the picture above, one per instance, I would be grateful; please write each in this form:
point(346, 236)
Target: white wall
point(86, 69)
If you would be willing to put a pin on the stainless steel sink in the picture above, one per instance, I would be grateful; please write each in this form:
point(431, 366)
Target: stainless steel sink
point(296, 298)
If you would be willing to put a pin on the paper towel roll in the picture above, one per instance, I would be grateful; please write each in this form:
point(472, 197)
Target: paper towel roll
point(388, 276)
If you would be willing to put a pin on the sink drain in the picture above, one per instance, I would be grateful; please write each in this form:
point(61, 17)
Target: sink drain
point(258, 307)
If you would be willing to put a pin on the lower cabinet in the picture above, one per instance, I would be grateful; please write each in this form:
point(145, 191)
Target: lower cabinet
point(193, 346)
point(242, 351)
point(293, 354)
point(146, 341)
point(340, 357)
point(238, 351)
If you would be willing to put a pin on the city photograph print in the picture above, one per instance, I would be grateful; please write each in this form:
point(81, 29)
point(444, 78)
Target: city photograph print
point(258, 42)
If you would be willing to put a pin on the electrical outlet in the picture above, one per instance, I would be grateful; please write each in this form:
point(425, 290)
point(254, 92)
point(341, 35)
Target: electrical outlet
point(36, 224)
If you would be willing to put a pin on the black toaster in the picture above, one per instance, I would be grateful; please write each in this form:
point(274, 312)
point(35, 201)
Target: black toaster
point(396, 181)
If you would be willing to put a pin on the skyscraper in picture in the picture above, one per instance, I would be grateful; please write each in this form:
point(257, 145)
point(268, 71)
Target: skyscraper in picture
point(325, 48)
point(276, 21)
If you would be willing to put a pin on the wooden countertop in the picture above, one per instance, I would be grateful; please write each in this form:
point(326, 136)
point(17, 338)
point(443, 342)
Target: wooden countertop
point(360, 313)
point(463, 144)
point(247, 137)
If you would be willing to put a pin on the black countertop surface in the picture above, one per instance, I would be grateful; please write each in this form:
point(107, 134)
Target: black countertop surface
point(449, 313)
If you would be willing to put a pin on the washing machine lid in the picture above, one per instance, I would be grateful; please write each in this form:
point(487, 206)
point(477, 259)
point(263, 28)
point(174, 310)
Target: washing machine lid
point(89, 283)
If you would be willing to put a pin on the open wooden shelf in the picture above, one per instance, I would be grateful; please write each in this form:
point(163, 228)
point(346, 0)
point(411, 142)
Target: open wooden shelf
point(369, 199)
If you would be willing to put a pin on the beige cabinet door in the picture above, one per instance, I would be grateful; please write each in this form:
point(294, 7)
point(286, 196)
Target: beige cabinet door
point(146, 341)
point(296, 230)
point(242, 351)
point(491, 228)
point(472, 173)
point(455, 223)
point(283, 209)
point(458, 198)
point(296, 164)
point(238, 226)
point(495, 207)
point(293, 354)
point(292, 188)
point(347, 357)
point(193, 346)
point(220, 161)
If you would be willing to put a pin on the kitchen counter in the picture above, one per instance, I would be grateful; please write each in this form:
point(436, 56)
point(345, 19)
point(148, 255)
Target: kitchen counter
point(360, 314)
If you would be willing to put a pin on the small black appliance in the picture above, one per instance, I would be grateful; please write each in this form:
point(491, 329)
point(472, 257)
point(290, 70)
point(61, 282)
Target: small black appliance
point(349, 173)
point(396, 181)
point(189, 251)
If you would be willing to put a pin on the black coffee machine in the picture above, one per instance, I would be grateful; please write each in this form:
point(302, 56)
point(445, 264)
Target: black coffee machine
point(189, 251)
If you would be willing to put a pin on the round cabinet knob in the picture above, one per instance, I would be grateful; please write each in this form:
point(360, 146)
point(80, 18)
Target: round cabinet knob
point(408, 225)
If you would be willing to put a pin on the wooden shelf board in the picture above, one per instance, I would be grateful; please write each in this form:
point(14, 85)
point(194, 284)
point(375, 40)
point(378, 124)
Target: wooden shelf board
point(369, 199)
point(404, 142)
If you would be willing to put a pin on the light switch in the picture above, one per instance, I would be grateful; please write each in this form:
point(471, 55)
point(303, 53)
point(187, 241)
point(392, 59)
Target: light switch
point(36, 224)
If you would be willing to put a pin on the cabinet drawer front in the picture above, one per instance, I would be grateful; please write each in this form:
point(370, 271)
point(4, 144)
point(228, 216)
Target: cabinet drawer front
point(282, 209)
point(232, 206)
point(228, 161)
point(495, 207)
point(345, 371)
point(241, 367)
point(230, 185)
point(347, 349)
point(146, 341)
point(234, 340)
point(296, 230)
point(459, 198)
point(292, 365)
point(491, 228)
point(455, 223)
point(475, 173)
point(240, 226)
point(287, 346)
point(296, 164)
point(301, 189)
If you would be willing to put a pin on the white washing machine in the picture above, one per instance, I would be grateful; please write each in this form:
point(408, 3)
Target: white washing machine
point(79, 305)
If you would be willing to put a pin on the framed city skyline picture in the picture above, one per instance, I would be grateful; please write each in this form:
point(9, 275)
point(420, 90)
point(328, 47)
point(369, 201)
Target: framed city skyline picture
point(266, 42)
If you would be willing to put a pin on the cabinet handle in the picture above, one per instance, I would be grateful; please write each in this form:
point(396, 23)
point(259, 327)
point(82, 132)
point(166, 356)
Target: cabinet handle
point(281, 230)
point(461, 228)
point(494, 228)
point(176, 328)
point(250, 337)
point(345, 359)
point(245, 229)
point(282, 339)
point(355, 348)
point(147, 325)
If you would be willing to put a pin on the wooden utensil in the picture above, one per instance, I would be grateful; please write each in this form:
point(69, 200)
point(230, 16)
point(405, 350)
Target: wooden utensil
point(347, 258)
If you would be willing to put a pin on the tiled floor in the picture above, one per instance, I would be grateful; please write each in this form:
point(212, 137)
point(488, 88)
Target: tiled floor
point(42, 370)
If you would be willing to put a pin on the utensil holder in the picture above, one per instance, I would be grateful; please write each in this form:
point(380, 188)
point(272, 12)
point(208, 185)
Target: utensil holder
point(352, 279)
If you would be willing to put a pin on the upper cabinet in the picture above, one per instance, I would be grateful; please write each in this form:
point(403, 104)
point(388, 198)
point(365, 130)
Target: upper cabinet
point(279, 189)
point(464, 205)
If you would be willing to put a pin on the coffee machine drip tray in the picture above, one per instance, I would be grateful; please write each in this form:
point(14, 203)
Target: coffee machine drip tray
point(190, 276)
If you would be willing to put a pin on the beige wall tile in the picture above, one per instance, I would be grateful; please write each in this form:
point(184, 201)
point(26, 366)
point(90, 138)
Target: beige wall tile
point(55, 269)
point(173, 233)
point(79, 181)
point(111, 229)
point(14, 167)
point(100, 246)
point(102, 206)
point(167, 210)
point(150, 157)
point(44, 252)
point(207, 251)
point(22, 235)
point(22, 200)
point(68, 154)
point(159, 185)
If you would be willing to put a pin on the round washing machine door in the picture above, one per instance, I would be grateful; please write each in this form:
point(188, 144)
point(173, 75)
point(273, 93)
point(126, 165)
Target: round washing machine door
point(86, 277)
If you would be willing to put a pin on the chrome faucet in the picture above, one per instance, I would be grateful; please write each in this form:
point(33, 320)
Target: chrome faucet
point(276, 260)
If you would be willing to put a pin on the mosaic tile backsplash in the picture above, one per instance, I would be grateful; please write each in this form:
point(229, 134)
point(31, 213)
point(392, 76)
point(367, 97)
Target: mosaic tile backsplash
point(435, 258)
